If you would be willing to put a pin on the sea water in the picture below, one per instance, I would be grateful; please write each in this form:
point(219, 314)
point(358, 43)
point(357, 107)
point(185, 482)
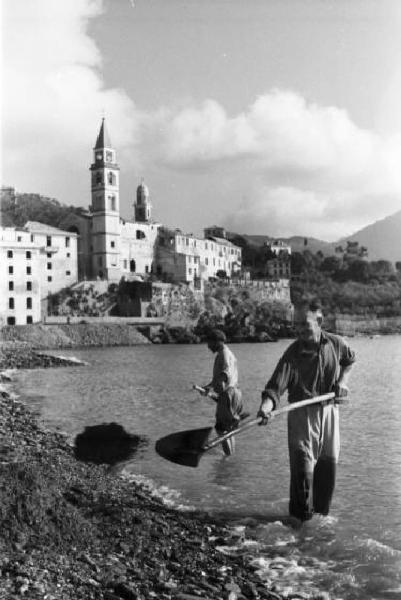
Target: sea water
point(354, 553)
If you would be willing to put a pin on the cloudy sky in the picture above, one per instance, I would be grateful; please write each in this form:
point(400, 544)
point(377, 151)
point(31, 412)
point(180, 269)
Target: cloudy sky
point(276, 117)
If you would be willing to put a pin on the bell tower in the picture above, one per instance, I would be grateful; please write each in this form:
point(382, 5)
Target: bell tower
point(105, 208)
point(142, 205)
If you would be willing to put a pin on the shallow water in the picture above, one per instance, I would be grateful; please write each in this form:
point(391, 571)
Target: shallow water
point(353, 553)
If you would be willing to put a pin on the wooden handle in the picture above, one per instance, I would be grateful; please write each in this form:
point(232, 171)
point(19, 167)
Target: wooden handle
point(202, 390)
point(274, 413)
point(198, 388)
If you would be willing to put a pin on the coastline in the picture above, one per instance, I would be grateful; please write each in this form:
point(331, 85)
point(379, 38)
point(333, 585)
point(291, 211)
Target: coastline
point(78, 531)
point(74, 530)
point(20, 345)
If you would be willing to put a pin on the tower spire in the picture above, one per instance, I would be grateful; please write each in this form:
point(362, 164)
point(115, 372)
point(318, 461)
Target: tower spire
point(103, 138)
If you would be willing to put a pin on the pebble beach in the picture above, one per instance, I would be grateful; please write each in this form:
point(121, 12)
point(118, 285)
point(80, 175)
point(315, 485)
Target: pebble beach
point(72, 530)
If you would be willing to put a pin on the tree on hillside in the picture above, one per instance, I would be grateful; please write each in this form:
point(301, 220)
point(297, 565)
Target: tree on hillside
point(34, 207)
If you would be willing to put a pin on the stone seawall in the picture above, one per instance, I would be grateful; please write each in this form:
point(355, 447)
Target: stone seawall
point(74, 335)
point(351, 325)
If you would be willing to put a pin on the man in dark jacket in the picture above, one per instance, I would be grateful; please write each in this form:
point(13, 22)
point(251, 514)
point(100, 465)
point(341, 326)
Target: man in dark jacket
point(316, 363)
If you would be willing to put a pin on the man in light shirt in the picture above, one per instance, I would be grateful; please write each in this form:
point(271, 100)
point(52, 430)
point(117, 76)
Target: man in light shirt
point(224, 384)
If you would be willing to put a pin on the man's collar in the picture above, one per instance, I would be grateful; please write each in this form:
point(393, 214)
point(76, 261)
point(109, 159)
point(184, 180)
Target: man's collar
point(323, 338)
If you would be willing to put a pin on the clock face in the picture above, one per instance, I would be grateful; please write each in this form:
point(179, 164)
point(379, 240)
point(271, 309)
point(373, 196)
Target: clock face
point(109, 156)
point(99, 156)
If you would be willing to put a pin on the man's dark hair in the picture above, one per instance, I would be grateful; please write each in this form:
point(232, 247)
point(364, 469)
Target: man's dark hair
point(216, 335)
point(313, 305)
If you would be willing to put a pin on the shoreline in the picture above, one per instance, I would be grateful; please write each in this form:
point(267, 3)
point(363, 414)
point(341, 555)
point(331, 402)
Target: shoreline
point(73, 530)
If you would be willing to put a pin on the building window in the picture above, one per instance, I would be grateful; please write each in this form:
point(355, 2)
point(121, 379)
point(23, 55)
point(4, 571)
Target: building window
point(68, 273)
point(125, 263)
point(112, 202)
point(19, 238)
point(146, 269)
point(28, 255)
point(190, 271)
point(10, 320)
point(9, 253)
point(140, 235)
point(49, 266)
point(29, 286)
point(11, 270)
point(28, 270)
point(48, 240)
point(29, 303)
point(49, 278)
point(11, 303)
point(49, 254)
point(11, 286)
point(67, 242)
point(206, 261)
point(112, 244)
point(68, 255)
point(29, 320)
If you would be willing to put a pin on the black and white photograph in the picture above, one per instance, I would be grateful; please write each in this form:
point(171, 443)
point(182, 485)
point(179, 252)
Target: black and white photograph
point(200, 300)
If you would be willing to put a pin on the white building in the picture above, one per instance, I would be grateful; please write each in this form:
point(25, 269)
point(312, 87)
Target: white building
point(58, 256)
point(20, 279)
point(183, 257)
point(35, 261)
point(279, 247)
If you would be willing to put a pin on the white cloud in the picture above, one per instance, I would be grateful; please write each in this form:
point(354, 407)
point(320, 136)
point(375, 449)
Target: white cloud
point(304, 168)
point(282, 166)
point(54, 96)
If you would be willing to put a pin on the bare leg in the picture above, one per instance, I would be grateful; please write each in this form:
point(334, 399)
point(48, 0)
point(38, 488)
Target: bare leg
point(229, 446)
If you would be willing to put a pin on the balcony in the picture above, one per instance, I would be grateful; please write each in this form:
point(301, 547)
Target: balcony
point(50, 249)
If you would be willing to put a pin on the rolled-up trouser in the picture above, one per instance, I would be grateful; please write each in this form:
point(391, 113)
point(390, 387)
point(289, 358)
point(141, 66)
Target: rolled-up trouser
point(228, 415)
point(314, 447)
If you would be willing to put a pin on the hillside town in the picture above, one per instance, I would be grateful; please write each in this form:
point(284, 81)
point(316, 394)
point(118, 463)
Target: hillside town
point(96, 248)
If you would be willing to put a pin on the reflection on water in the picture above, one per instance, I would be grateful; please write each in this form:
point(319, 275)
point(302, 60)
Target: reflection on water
point(355, 553)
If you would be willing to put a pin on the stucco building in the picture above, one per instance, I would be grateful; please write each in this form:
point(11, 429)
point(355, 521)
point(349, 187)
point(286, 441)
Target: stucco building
point(35, 261)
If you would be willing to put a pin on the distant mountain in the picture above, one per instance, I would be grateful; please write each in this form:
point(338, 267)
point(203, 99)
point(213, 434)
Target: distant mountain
point(297, 243)
point(382, 238)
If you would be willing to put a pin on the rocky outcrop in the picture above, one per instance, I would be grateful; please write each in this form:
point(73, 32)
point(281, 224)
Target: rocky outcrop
point(74, 335)
point(20, 355)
